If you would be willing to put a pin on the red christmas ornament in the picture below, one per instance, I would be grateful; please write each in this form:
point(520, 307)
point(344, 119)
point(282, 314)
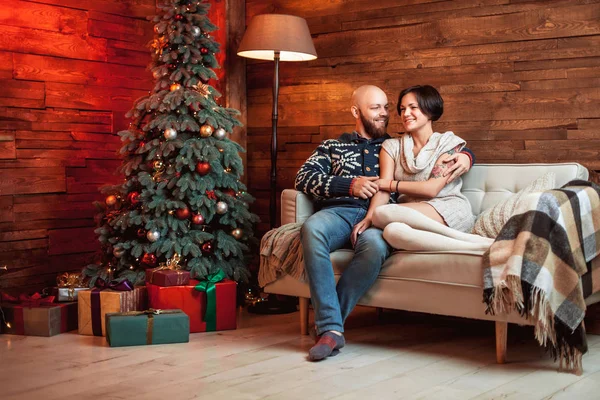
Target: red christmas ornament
point(203, 168)
point(197, 219)
point(141, 233)
point(178, 17)
point(207, 247)
point(204, 51)
point(142, 144)
point(171, 66)
point(211, 194)
point(183, 213)
point(229, 192)
point(133, 198)
point(178, 174)
point(149, 260)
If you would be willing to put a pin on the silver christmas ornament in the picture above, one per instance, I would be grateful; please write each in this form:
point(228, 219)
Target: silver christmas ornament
point(153, 236)
point(222, 207)
point(196, 31)
point(220, 134)
point(170, 134)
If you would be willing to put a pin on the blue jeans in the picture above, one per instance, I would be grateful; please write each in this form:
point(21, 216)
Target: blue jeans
point(328, 230)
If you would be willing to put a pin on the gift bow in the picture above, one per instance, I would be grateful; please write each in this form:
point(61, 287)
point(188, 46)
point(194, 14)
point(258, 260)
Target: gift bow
point(123, 286)
point(35, 300)
point(208, 286)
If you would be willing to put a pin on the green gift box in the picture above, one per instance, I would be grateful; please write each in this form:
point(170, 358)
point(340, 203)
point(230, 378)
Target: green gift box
point(136, 328)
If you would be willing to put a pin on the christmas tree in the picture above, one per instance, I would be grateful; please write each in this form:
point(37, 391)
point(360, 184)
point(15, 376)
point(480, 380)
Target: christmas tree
point(182, 195)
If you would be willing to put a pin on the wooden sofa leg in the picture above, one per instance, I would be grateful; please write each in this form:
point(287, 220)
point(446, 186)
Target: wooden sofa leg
point(303, 315)
point(501, 338)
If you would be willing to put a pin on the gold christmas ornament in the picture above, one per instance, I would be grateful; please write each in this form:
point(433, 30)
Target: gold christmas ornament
point(237, 233)
point(111, 200)
point(174, 87)
point(158, 165)
point(206, 130)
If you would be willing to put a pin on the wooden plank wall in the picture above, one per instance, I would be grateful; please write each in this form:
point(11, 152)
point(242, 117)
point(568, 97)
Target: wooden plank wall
point(69, 71)
point(520, 79)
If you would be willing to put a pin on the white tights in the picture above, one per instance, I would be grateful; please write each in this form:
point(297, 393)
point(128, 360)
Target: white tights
point(408, 229)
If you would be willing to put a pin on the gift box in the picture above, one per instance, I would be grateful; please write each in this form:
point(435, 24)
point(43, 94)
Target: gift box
point(38, 316)
point(217, 314)
point(66, 294)
point(67, 286)
point(167, 277)
point(147, 327)
point(115, 297)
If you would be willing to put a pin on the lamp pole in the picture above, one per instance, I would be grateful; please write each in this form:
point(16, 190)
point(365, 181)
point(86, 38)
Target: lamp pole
point(273, 201)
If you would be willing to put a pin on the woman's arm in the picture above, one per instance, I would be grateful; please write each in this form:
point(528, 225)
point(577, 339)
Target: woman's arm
point(386, 172)
point(427, 189)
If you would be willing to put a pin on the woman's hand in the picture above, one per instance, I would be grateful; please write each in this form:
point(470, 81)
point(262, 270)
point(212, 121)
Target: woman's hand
point(457, 166)
point(360, 228)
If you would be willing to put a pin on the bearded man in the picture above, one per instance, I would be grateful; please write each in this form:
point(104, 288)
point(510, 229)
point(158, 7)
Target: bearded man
point(341, 175)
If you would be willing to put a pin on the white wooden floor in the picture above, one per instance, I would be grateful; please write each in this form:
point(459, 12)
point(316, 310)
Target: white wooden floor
point(397, 356)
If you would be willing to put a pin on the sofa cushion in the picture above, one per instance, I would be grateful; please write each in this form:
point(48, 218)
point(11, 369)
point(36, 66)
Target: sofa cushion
point(444, 267)
point(491, 221)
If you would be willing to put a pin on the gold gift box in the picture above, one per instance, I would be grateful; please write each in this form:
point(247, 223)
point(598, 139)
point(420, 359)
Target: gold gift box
point(111, 301)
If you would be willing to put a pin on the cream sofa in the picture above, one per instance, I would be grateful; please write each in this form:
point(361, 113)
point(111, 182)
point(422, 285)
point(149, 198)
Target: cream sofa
point(445, 283)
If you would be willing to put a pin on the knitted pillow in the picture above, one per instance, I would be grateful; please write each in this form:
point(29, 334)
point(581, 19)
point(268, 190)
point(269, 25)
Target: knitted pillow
point(490, 222)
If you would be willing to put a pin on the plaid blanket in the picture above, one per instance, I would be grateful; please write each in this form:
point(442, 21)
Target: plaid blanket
point(544, 264)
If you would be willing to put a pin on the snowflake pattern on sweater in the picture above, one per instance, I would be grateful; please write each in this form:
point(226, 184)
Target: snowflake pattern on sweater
point(328, 172)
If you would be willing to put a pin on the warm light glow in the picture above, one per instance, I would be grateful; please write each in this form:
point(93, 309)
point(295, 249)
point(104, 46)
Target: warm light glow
point(8, 325)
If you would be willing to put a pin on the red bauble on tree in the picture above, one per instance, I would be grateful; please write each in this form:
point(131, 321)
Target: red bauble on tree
point(229, 192)
point(203, 167)
point(197, 219)
point(183, 213)
point(141, 233)
point(178, 17)
point(133, 198)
point(207, 247)
point(203, 51)
point(149, 260)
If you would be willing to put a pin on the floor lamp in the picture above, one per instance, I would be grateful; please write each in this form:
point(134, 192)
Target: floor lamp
point(277, 37)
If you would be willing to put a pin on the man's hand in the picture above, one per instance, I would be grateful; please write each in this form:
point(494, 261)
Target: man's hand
point(365, 187)
point(458, 166)
point(359, 228)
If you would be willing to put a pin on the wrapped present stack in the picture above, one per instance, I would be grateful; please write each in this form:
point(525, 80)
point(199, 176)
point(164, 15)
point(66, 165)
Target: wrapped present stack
point(107, 297)
point(210, 304)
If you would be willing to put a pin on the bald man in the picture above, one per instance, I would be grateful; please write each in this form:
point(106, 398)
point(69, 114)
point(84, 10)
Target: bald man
point(341, 175)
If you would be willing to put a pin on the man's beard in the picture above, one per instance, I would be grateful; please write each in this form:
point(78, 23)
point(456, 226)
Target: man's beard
point(371, 129)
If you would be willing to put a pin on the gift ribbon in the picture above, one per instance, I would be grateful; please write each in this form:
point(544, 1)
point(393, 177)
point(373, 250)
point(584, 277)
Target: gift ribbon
point(209, 286)
point(151, 312)
point(101, 284)
point(172, 264)
point(35, 300)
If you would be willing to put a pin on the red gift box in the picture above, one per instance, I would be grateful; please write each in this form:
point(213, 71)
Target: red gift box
point(193, 303)
point(39, 319)
point(167, 277)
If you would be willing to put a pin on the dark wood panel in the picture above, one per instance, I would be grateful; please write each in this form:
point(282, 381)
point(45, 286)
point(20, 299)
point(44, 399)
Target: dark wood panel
point(520, 79)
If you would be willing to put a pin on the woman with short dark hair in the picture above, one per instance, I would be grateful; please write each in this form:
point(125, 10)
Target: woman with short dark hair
point(432, 213)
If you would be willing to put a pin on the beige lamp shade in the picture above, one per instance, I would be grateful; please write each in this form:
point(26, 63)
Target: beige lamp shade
point(287, 34)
